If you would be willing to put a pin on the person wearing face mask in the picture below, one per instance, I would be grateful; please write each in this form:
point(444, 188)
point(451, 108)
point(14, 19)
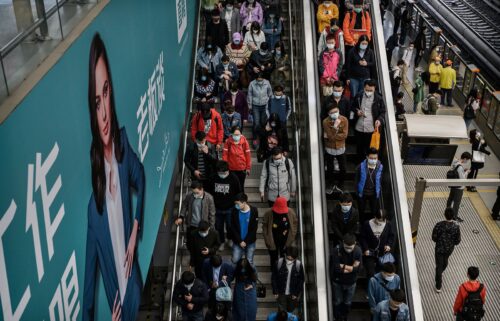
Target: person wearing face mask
point(456, 192)
point(420, 45)
point(407, 58)
point(279, 103)
point(382, 284)
point(399, 106)
point(197, 206)
point(209, 56)
point(447, 82)
point(244, 221)
point(390, 45)
point(368, 113)
point(430, 105)
point(326, 12)
point(405, 23)
point(472, 104)
point(335, 131)
point(238, 101)
point(332, 29)
point(271, 5)
point(232, 17)
point(191, 294)
point(245, 292)
point(250, 12)
point(279, 228)
point(393, 309)
point(344, 219)
point(239, 53)
point(418, 90)
point(345, 262)
point(205, 88)
point(479, 153)
point(223, 187)
point(208, 120)
point(356, 23)
point(272, 27)
point(272, 135)
point(369, 184)
point(261, 61)
point(237, 153)
point(377, 239)
point(200, 158)
point(288, 280)
point(277, 177)
point(359, 63)
point(338, 98)
point(259, 92)
point(217, 30)
point(204, 244)
point(255, 37)
point(216, 273)
point(226, 73)
point(329, 65)
point(230, 118)
point(281, 72)
point(219, 313)
point(435, 70)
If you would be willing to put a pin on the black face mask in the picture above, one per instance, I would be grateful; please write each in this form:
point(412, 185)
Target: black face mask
point(207, 114)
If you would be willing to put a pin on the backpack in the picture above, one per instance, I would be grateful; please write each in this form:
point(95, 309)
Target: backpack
point(473, 309)
point(287, 164)
point(453, 174)
point(281, 260)
point(425, 104)
point(469, 112)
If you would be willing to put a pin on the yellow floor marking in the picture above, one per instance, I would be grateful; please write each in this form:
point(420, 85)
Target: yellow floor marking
point(484, 214)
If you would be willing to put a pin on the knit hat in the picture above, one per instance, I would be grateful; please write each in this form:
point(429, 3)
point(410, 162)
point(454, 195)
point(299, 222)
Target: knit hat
point(236, 36)
point(280, 206)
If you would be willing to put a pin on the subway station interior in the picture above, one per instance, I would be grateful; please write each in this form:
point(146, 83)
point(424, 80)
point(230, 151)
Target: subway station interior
point(312, 160)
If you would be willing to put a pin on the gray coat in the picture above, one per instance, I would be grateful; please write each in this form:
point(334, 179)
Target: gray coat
point(280, 182)
point(207, 209)
point(259, 93)
point(235, 21)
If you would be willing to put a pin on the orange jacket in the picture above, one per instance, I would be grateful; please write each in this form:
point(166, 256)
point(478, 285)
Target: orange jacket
point(352, 35)
point(237, 156)
point(215, 134)
point(469, 286)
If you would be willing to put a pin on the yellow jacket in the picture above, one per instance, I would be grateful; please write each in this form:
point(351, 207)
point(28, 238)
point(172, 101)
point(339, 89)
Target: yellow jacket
point(448, 78)
point(435, 72)
point(325, 14)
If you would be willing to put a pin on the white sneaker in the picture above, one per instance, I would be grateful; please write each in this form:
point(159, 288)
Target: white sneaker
point(438, 290)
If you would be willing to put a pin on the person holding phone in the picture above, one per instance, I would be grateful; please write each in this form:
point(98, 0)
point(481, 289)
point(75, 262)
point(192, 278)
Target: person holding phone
point(204, 244)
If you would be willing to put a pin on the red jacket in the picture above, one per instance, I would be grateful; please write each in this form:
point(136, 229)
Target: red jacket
point(215, 134)
point(352, 35)
point(238, 155)
point(469, 286)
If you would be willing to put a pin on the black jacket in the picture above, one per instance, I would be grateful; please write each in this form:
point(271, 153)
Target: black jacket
point(354, 69)
point(263, 152)
point(252, 226)
point(197, 243)
point(446, 235)
point(199, 292)
point(420, 41)
point(343, 104)
point(392, 43)
point(280, 277)
point(338, 257)
point(378, 107)
point(339, 227)
point(191, 159)
point(258, 60)
point(219, 33)
point(369, 241)
point(224, 190)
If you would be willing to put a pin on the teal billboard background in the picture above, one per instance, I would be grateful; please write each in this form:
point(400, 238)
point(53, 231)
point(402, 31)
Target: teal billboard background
point(45, 172)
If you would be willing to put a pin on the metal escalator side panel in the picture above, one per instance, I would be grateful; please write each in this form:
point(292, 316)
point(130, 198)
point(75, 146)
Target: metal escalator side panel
point(396, 168)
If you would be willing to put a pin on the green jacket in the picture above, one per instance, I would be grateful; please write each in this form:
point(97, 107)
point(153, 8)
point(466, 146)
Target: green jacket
point(419, 93)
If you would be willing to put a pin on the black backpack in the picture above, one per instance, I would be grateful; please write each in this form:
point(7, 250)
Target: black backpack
point(473, 305)
point(453, 174)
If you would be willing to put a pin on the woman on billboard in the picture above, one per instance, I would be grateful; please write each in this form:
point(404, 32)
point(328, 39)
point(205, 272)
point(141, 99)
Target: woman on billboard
point(111, 234)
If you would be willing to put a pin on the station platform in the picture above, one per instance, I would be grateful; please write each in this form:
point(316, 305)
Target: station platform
point(480, 245)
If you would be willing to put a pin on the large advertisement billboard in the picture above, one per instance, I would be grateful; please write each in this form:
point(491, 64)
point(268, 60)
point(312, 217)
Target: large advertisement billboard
point(86, 162)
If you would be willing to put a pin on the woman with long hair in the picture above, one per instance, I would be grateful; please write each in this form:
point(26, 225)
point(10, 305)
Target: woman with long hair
point(245, 293)
point(112, 232)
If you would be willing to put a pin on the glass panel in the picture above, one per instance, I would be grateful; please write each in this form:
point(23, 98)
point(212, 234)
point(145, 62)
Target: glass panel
point(487, 105)
point(468, 81)
point(496, 105)
point(460, 75)
point(479, 85)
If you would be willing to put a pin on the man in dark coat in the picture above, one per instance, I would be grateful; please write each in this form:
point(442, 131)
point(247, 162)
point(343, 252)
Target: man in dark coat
point(191, 295)
point(217, 30)
point(204, 243)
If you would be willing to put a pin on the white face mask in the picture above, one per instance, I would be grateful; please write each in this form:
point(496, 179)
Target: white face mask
point(203, 234)
point(369, 93)
point(278, 161)
point(334, 116)
point(337, 94)
point(345, 208)
point(348, 249)
point(189, 286)
point(372, 162)
point(330, 46)
point(223, 174)
point(219, 317)
point(389, 278)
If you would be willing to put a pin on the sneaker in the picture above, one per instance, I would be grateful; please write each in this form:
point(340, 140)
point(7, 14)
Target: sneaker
point(222, 247)
point(329, 190)
point(337, 190)
point(459, 219)
point(438, 290)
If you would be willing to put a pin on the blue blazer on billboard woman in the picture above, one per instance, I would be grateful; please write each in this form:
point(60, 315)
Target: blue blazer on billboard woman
point(112, 232)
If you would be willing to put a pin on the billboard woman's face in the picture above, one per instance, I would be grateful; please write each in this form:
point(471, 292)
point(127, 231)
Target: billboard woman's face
point(103, 101)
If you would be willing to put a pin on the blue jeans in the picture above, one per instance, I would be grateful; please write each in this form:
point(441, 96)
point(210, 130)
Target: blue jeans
point(221, 217)
point(468, 121)
point(238, 252)
point(448, 94)
point(356, 85)
point(343, 295)
point(259, 119)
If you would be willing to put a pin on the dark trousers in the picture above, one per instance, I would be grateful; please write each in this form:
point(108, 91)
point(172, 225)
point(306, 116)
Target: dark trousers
point(441, 264)
point(447, 97)
point(454, 200)
point(331, 175)
point(189, 231)
point(418, 57)
point(274, 255)
point(242, 175)
point(433, 87)
point(374, 207)
point(495, 212)
point(362, 143)
point(223, 217)
point(370, 265)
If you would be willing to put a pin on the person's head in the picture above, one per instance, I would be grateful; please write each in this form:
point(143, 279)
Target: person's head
point(244, 268)
point(197, 189)
point(400, 96)
point(280, 205)
point(225, 60)
point(200, 137)
point(333, 111)
point(327, 3)
point(279, 48)
point(220, 311)
point(229, 4)
point(274, 121)
point(292, 253)
point(216, 16)
point(411, 45)
point(260, 77)
point(222, 169)
point(278, 91)
point(370, 86)
point(255, 27)
point(236, 38)
point(349, 242)
point(203, 228)
point(228, 107)
point(271, 12)
point(103, 120)
point(472, 273)
point(250, 3)
point(236, 133)
point(372, 156)
point(388, 271)
point(209, 45)
point(358, 6)
point(187, 278)
point(381, 216)
point(234, 87)
point(466, 156)
point(277, 154)
point(240, 201)
point(449, 63)
point(334, 24)
point(397, 298)
point(206, 110)
point(338, 89)
point(330, 42)
point(282, 315)
point(204, 76)
point(437, 59)
point(264, 48)
point(449, 213)
point(216, 260)
point(401, 63)
point(363, 42)
point(345, 202)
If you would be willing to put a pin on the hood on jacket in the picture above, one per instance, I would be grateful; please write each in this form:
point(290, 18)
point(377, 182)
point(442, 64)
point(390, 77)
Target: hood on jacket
point(472, 286)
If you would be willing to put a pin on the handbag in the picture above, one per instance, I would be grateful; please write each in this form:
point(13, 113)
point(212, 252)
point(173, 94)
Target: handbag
point(386, 258)
point(375, 141)
point(478, 156)
point(261, 289)
point(327, 90)
point(224, 293)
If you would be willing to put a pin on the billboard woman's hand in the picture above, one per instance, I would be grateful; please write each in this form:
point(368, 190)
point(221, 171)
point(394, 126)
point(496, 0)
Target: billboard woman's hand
point(129, 256)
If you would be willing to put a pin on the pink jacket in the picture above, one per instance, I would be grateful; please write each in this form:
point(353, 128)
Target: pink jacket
point(329, 64)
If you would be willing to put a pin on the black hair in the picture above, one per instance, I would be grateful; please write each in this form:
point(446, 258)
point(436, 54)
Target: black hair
point(277, 150)
point(98, 51)
point(346, 198)
point(249, 272)
point(466, 155)
point(274, 117)
point(235, 128)
point(381, 214)
point(473, 272)
point(349, 239)
point(282, 315)
point(360, 40)
point(187, 277)
point(400, 62)
point(280, 44)
point(200, 135)
point(398, 295)
point(225, 58)
point(216, 260)
point(370, 83)
point(388, 267)
point(196, 185)
point(215, 13)
point(449, 213)
point(333, 105)
point(222, 166)
point(221, 309)
point(241, 197)
point(472, 136)
point(255, 25)
point(264, 46)
point(400, 94)
point(278, 88)
point(292, 251)
point(203, 226)
point(338, 83)
point(372, 151)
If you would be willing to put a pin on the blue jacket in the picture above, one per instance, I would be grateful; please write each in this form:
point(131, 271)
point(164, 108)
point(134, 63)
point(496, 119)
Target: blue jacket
point(382, 312)
point(361, 175)
point(377, 293)
point(208, 272)
point(230, 121)
point(280, 106)
point(219, 70)
point(99, 256)
point(274, 315)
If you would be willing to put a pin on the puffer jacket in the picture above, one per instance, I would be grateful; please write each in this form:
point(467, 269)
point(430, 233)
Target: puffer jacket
point(352, 35)
point(280, 182)
point(446, 235)
point(238, 155)
point(259, 93)
point(329, 65)
point(335, 137)
point(382, 312)
point(448, 78)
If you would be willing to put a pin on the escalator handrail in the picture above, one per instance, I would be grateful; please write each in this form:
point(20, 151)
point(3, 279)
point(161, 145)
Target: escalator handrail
point(183, 170)
point(396, 168)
